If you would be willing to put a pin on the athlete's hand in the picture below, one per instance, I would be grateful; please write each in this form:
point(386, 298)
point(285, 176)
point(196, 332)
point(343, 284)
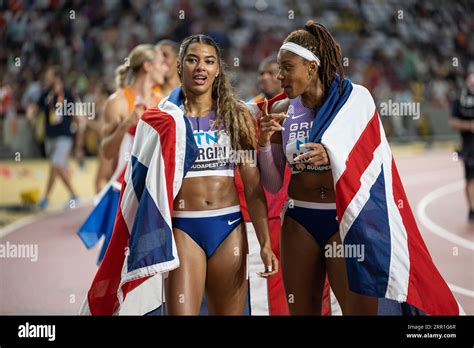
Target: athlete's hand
point(270, 261)
point(316, 157)
point(269, 124)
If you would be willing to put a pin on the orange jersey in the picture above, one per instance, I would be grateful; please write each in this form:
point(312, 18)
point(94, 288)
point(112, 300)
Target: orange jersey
point(258, 99)
point(130, 96)
point(158, 93)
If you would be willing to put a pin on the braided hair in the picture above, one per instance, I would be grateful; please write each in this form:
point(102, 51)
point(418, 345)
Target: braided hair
point(316, 38)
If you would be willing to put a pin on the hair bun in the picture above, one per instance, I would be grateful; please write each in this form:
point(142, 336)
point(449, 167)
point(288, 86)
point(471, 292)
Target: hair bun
point(310, 27)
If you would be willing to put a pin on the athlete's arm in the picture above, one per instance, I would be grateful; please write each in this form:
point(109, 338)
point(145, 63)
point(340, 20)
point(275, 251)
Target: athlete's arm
point(271, 156)
point(116, 125)
point(257, 207)
point(270, 122)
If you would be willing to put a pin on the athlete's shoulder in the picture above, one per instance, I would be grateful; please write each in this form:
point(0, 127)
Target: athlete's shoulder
point(169, 108)
point(361, 93)
point(117, 98)
point(116, 106)
point(166, 112)
point(159, 119)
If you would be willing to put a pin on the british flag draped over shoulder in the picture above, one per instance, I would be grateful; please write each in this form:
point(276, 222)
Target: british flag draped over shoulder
point(142, 248)
point(372, 207)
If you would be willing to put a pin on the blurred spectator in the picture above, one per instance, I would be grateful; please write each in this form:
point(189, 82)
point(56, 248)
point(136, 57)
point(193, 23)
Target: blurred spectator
point(170, 51)
point(388, 44)
point(463, 121)
point(58, 130)
point(268, 83)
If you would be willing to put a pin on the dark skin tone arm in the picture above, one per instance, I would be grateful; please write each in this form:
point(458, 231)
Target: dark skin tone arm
point(303, 186)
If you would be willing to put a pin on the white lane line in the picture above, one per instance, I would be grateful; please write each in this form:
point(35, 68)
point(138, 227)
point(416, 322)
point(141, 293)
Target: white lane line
point(429, 176)
point(462, 291)
point(432, 226)
point(17, 225)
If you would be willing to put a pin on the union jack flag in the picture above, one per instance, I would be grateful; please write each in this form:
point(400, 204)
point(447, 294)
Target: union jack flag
point(372, 207)
point(142, 248)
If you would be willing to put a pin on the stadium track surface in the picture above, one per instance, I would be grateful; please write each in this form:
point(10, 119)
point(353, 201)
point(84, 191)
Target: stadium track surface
point(58, 281)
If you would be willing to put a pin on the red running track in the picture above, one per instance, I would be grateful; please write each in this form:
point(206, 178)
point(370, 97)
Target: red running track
point(58, 281)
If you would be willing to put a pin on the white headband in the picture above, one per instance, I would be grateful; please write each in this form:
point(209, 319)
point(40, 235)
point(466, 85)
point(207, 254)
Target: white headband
point(301, 51)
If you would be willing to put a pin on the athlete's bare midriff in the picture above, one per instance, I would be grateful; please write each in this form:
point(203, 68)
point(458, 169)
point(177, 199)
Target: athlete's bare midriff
point(206, 193)
point(307, 186)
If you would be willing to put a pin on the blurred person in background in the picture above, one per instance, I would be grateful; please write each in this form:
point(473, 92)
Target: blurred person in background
point(135, 81)
point(59, 137)
point(268, 83)
point(462, 120)
point(170, 51)
point(144, 68)
point(93, 134)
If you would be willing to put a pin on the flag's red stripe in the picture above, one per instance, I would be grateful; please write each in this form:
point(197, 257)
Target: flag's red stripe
point(427, 289)
point(276, 290)
point(121, 177)
point(357, 162)
point(165, 125)
point(102, 296)
point(276, 98)
point(127, 287)
point(326, 309)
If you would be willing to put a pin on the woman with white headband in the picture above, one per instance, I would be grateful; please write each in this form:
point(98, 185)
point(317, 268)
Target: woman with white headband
point(309, 61)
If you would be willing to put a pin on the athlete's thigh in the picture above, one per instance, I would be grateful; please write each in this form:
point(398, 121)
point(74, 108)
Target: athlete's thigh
point(337, 274)
point(185, 285)
point(303, 270)
point(226, 283)
point(351, 303)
